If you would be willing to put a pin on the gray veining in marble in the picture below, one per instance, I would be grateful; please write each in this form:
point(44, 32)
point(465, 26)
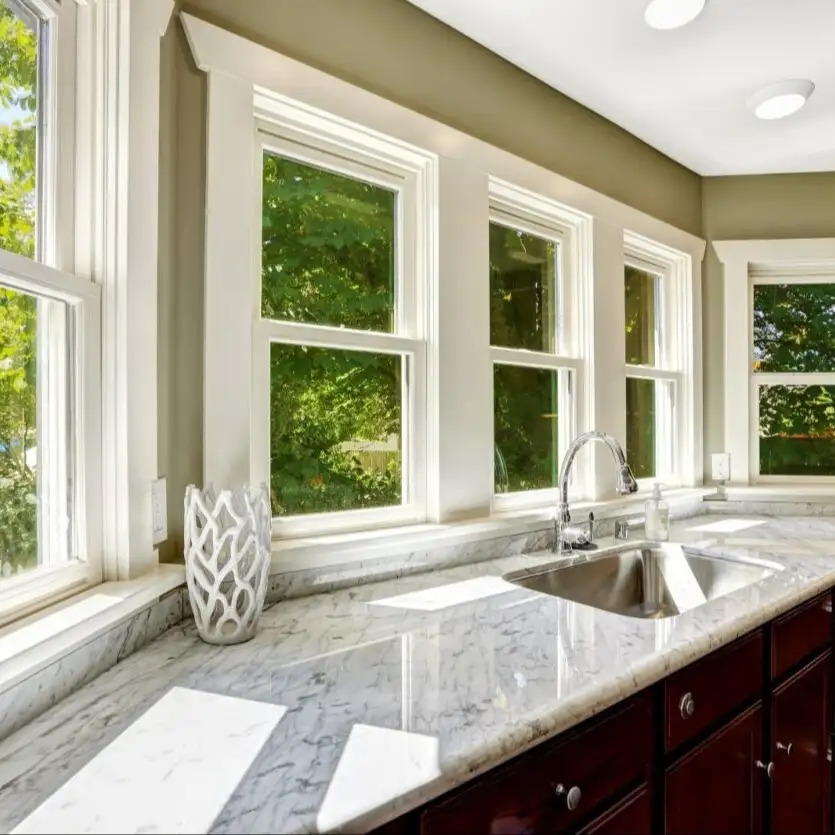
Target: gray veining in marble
point(26, 700)
point(475, 683)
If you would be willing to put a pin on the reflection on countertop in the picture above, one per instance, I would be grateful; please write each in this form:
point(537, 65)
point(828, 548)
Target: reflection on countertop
point(350, 708)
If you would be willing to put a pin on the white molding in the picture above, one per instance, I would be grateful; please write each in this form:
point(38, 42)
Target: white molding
point(117, 244)
point(741, 260)
point(215, 48)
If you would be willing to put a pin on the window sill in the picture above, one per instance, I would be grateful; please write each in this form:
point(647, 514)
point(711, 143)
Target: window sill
point(817, 494)
point(336, 549)
point(28, 646)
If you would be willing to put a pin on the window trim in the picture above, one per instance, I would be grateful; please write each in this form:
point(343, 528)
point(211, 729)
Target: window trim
point(519, 209)
point(742, 260)
point(678, 433)
point(20, 595)
point(460, 391)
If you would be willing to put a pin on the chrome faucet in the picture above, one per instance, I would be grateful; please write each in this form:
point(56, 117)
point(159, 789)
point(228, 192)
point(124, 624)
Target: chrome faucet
point(567, 537)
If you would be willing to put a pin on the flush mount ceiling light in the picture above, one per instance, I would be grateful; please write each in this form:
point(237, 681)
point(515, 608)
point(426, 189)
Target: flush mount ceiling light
point(670, 14)
point(782, 99)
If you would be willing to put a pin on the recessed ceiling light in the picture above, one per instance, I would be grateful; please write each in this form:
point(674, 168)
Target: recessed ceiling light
point(670, 14)
point(782, 99)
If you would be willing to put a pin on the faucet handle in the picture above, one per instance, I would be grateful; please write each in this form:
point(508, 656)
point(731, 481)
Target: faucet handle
point(621, 529)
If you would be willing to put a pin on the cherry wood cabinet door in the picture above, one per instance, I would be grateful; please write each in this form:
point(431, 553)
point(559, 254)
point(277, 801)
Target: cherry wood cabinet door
point(717, 787)
point(632, 816)
point(801, 720)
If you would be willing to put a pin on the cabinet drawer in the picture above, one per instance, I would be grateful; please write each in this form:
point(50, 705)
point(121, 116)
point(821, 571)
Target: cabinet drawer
point(800, 632)
point(707, 690)
point(523, 796)
point(632, 816)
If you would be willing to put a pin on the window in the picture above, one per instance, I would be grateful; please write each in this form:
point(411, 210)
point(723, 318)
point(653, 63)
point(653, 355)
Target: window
point(793, 377)
point(533, 350)
point(341, 330)
point(658, 347)
point(49, 334)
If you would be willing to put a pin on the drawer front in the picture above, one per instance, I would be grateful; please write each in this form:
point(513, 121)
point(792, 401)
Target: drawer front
point(534, 792)
point(707, 690)
point(796, 635)
point(632, 816)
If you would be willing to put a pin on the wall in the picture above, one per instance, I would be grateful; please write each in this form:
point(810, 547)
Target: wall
point(750, 208)
point(396, 50)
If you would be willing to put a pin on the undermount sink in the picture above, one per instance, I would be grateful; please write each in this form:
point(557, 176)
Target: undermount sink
point(644, 580)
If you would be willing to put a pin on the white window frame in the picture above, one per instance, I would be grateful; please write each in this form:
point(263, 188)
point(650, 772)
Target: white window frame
point(276, 133)
point(77, 364)
point(524, 211)
point(746, 263)
point(676, 372)
point(246, 77)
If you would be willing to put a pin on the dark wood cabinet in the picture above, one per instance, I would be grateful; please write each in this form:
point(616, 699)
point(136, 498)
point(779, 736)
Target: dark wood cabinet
point(738, 741)
point(717, 787)
point(632, 816)
point(800, 728)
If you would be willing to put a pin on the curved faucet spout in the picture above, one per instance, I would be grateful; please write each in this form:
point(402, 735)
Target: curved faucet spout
point(625, 480)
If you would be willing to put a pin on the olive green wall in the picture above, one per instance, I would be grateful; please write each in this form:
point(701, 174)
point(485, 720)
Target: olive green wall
point(751, 208)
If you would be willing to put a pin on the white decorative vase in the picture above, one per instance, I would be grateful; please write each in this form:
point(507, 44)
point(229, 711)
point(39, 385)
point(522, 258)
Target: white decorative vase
point(227, 552)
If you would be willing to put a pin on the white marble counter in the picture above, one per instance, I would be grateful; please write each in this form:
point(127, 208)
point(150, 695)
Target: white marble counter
point(353, 707)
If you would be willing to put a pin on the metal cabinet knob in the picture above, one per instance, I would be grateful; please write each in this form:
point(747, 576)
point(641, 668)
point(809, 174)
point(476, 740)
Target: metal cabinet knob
point(687, 705)
point(768, 768)
point(786, 748)
point(572, 796)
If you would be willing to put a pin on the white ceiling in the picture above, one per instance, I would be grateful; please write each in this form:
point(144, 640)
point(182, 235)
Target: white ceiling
point(682, 91)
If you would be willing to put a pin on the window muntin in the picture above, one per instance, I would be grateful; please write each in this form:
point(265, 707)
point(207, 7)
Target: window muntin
point(532, 338)
point(346, 373)
point(793, 378)
point(49, 332)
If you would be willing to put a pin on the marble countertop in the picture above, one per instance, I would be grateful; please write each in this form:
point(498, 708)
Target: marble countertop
point(350, 708)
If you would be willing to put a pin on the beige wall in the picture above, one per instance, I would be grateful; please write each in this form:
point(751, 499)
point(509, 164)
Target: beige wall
point(395, 50)
point(753, 207)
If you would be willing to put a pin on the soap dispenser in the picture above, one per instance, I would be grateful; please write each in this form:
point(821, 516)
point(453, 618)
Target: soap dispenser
point(657, 517)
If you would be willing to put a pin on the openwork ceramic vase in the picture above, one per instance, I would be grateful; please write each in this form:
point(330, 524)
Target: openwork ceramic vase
point(227, 552)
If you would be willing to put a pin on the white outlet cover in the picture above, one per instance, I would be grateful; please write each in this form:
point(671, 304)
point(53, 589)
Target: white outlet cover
point(159, 501)
point(720, 465)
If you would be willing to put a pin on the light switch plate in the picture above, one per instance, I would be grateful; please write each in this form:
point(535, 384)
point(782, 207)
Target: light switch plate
point(159, 499)
point(720, 465)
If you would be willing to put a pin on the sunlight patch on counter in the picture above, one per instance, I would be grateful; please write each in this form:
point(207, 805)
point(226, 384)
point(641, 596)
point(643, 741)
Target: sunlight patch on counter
point(171, 771)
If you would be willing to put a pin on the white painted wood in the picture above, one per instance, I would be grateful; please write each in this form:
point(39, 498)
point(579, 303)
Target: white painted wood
point(803, 260)
point(461, 387)
point(117, 170)
point(218, 49)
point(296, 102)
point(231, 181)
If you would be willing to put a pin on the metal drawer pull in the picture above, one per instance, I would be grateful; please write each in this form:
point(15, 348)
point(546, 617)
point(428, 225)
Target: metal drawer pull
point(786, 748)
point(687, 705)
point(572, 796)
point(767, 768)
point(827, 606)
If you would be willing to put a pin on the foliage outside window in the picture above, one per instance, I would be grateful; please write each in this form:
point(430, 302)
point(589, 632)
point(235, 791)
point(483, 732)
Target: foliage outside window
point(530, 384)
point(649, 391)
point(793, 328)
point(18, 311)
point(330, 260)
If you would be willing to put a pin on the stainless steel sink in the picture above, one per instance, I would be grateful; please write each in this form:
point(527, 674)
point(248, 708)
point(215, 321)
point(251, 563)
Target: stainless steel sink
point(644, 580)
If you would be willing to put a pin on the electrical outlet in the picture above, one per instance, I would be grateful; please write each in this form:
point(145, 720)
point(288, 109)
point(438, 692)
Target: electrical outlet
point(159, 501)
point(720, 464)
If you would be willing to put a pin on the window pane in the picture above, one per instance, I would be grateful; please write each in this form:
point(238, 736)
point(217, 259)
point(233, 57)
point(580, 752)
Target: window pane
point(335, 420)
point(523, 290)
point(526, 406)
point(18, 433)
point(641, 320)
point(797, 430)
point(793, 327)
point(18, 129)
point(328, 247)
point(640, 427)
